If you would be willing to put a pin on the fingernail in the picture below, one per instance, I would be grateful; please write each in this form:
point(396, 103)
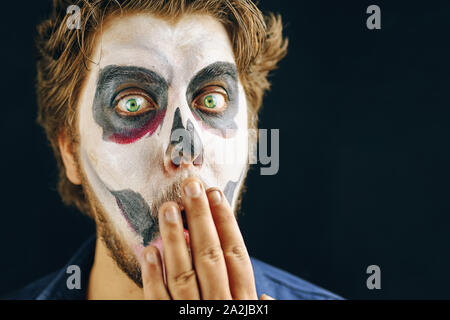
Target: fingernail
point(150, 258)
point(215, 197)
point(192, 189)
point(171, 214)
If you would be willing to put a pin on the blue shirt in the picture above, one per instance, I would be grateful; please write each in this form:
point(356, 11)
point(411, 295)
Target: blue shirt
point(269, 280)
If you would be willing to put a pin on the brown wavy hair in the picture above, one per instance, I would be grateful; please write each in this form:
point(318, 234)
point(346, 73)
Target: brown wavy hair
point(63, 58)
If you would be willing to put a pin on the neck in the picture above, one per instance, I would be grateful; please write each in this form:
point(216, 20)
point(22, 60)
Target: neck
point(107, 281)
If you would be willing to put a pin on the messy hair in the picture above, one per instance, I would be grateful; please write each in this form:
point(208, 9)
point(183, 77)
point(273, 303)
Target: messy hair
point(63, 56)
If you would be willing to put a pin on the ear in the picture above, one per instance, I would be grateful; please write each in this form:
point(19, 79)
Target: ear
point(65, 148)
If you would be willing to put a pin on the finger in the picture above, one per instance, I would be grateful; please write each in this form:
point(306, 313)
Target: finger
point(205, 244)
point(266, 297)
point(152, 275)
point(239, 266)
point(181, 278)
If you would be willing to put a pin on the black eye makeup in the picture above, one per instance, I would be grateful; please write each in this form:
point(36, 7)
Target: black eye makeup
point(213, 96)
point(129, 102)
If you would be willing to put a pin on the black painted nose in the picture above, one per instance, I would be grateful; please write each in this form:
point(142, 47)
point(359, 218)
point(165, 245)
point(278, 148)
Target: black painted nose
point(185, 144)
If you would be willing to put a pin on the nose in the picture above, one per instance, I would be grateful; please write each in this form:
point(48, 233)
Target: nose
point(185, 147)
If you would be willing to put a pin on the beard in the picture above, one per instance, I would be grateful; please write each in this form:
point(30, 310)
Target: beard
point(118, 249)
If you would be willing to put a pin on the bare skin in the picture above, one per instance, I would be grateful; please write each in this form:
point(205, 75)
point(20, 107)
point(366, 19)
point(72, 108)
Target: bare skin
point(220, 267)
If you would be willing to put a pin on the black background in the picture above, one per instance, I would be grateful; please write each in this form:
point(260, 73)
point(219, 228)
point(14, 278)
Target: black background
point(364, 178)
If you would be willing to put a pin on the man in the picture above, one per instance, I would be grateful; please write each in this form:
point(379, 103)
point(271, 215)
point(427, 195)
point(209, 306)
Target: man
point(139, 101)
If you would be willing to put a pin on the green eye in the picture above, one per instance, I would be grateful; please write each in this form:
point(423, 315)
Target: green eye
point(210, 101)
point(213, 100)
point(132, 105)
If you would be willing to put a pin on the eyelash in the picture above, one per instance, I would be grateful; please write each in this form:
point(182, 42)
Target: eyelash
point(205, 91)
point(128, 92)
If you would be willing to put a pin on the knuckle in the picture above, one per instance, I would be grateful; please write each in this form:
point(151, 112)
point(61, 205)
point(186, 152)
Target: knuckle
point(237, 252)
point(184, 279)
point(211, 254)
point(225, 218)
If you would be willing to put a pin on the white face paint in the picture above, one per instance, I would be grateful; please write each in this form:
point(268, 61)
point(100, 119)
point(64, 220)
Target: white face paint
point(172, 74)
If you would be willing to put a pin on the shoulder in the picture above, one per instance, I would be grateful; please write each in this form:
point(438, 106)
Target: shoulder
point(285, 286)
point(32, 290)
point(270, 280)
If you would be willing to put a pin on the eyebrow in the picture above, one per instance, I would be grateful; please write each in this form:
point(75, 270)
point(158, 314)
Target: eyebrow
point(215, 71)
point(112, 76)
point(110, 72)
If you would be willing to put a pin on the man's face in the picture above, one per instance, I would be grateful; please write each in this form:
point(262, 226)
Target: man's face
point(162, 102)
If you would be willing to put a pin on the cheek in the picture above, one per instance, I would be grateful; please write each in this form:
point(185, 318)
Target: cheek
point(109, 201)
point(122, 166)
point(134, 133)
point(227, 157)
point(231, 149)
point(228, 161)
point(222, 133)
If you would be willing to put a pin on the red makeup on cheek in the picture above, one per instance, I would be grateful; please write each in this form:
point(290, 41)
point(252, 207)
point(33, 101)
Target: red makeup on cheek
point(132, 135)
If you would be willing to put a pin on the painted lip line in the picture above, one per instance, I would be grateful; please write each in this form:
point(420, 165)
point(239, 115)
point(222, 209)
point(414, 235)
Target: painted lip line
point(122, 211)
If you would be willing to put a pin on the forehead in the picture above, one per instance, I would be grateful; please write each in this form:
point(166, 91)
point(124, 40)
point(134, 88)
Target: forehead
point(182, 47)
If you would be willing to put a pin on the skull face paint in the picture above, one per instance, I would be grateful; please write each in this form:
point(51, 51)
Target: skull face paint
point(152, 79)
point(185, 144)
